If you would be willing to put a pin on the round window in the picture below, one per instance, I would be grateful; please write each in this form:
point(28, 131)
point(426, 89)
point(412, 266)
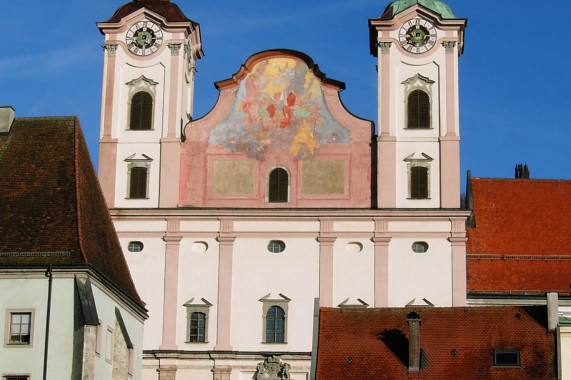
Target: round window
point(135, 246)
point(276, 246)
point(419, 246)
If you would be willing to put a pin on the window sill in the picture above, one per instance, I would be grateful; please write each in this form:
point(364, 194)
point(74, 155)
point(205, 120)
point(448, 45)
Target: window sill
point(196, 342)
point(17, 345)
point(273, 343)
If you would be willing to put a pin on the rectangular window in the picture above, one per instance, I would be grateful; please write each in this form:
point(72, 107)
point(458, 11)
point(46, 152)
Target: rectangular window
point(16, 377)
point(108, 344)
point(506, 358)
point(19, 329)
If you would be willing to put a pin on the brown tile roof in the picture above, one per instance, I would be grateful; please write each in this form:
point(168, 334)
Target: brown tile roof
point(456, 343)
point(170, 11)
point(52, 210)
point(521, 240)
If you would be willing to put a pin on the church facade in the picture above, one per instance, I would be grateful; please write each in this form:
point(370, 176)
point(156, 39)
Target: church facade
point(238, 225)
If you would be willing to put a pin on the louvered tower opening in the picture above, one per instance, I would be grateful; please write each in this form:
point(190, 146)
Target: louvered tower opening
point(141, 111)
point(418, 182)
point(418, 110)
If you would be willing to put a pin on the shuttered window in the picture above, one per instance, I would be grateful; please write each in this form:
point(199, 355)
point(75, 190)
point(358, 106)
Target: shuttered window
point(278, 186)
point(418, 110)
point(141, 111)
point(418, 182)
point(138, 183)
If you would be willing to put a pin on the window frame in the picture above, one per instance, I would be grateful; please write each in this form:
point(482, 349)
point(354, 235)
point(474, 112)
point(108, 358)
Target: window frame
point(151, 112)
point(132, 162)
point(267, 304)
point(8, 327)
point(16, 376)
point(109, 341)
point(419, 106)
point(141, 84)
point(136, 244)
point(412, 84)
point(269, 185)
point(276, 246)
point(202, 308)
point(507, 351)
point(424, 162)
point(419, 184)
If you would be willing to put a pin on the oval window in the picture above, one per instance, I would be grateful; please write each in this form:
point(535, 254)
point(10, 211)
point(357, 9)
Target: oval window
point(199, 246)
point(135, 246)
point(354, 247)
point(419, 247)
point(276, 246)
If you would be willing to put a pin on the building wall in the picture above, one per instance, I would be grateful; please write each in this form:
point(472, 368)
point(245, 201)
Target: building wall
point(29, 290)
point(297, 274)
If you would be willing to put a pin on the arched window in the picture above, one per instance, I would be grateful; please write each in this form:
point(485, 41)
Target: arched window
point(278, 186)
point(275, 325)
point(197, 327)
point(418, 110)
point(141, 111)
point(418, 182)
point(138, 182)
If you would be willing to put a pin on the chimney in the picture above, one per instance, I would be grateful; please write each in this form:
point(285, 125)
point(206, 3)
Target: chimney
point(6, 118)
point(552, 310)
point(413, 321)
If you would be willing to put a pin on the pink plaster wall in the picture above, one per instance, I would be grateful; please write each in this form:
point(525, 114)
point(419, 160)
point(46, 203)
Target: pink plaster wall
point(198, 152)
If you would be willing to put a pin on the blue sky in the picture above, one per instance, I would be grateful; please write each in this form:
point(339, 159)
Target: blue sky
point(514, 73)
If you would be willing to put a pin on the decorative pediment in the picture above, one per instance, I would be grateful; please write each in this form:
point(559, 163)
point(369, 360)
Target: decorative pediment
point(351, 302)
point(422, 157)
point(203, 302)
point(276, 298)
point(422, 302)
point(418, 82)
point(138, 158)
point(142, 83)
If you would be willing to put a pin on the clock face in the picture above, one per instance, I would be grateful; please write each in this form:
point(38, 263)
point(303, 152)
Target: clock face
point(144, 38)
point(417, 36)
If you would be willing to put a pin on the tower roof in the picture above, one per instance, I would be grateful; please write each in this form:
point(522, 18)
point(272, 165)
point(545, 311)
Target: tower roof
point(170, 11)
point(437, 6)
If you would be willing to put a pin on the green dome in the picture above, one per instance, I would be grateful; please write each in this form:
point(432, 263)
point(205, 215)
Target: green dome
point(437, 6)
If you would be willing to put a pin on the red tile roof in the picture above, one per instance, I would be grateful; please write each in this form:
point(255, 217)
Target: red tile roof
point(52, 210)
point(456, 343)
point(521, 240)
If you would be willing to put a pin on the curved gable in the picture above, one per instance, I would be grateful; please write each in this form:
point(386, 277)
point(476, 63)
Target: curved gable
point(277, 110)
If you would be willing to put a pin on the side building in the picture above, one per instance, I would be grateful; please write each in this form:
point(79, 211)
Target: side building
point(68, 306)
point(234, 223)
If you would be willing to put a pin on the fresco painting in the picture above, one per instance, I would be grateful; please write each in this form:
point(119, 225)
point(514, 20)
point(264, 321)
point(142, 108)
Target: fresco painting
point(279, 105)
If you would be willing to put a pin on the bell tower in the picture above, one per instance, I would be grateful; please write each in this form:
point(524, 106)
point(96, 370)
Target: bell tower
point(417, 44)
point(150, 52)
